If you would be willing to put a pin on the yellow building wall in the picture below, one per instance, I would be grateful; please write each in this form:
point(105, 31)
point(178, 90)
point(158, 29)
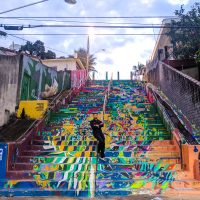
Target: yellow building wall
point(33, 109)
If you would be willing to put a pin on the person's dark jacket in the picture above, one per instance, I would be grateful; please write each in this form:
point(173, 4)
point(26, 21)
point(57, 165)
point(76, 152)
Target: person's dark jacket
point(96, 129)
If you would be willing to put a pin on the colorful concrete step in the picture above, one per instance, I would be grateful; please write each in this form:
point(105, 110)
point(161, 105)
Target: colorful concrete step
point(130, 175)
point(143, 148)
point(132, 184)
point(137, 168)
point(134, 154)
point(63, 141)
point(128, 160)
point(54, 167)
point(46, 192)
point(166, 180)
point(71, 184)
point(59, 153)
point(140, 138)
point(81, 183)
point(62, 148)
point(56, 160)
point(133, 147)
point(46, 175)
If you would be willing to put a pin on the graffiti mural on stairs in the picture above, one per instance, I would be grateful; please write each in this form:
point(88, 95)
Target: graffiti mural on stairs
point(71, 162)
point(132, 125)
point(140, 157)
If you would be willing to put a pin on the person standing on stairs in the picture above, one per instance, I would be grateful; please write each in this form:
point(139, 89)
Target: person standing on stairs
point(96, 126)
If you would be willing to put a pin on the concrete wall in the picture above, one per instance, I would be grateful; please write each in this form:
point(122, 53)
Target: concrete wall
point(9, 75)
point(193, 72)
point(187, 66)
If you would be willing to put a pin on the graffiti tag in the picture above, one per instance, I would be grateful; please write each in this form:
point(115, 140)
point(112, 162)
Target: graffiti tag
point(1, 154)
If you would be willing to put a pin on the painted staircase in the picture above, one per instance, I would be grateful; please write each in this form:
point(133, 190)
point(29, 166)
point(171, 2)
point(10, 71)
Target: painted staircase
point(140, 157)
point(62, 158)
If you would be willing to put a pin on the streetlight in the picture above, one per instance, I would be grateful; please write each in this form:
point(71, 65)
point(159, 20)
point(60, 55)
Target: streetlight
point(70, 1)
point(31, 4)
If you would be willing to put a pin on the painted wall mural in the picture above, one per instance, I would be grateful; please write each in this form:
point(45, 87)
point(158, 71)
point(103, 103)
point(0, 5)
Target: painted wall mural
point(38, 79)
point(62, 158)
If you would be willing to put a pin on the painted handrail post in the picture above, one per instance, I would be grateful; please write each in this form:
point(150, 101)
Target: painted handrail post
point(3, 159)
point(107, 93)
point(106, 76)
point(93, 76)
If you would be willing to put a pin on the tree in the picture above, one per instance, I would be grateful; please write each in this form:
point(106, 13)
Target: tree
point(50, 55)
point(185, 33)
point(137, 70)
point(38, 49)
point(82, 55)
point(28, 47)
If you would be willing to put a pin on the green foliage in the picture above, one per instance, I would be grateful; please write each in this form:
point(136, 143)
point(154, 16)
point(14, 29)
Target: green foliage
point(137, 70)
point(185, 33)
point(82, 55)
point(50, 55)
point(38, 49)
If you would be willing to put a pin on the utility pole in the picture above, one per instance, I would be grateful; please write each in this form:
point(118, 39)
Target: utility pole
point(88, 54)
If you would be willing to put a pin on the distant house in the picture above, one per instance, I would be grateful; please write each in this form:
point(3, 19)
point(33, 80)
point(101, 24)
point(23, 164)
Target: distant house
point(64, 63)
point(7, 52)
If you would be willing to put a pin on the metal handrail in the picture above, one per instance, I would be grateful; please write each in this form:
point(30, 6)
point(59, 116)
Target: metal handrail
point(35, 122)
point(167, 118)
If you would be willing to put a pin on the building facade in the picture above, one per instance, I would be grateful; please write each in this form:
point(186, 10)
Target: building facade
point(64, 63)
point(163, 51)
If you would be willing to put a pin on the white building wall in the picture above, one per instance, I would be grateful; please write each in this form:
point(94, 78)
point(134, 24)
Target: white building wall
point(61, 64)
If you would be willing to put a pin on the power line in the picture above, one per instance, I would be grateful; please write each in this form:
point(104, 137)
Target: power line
point(85, 34)
point(22, 7)
point(95, 17)
point(81, 22)
point(99, 26)
point(31, 42)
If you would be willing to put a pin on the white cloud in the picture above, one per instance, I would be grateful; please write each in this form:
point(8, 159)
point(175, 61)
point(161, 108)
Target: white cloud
point(101, 3)
point(148, 3)
point(126, 56)
point(83, 12)
point(178, 2)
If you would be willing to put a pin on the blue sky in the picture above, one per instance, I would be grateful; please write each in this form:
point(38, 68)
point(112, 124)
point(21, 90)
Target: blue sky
point(122, 52)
